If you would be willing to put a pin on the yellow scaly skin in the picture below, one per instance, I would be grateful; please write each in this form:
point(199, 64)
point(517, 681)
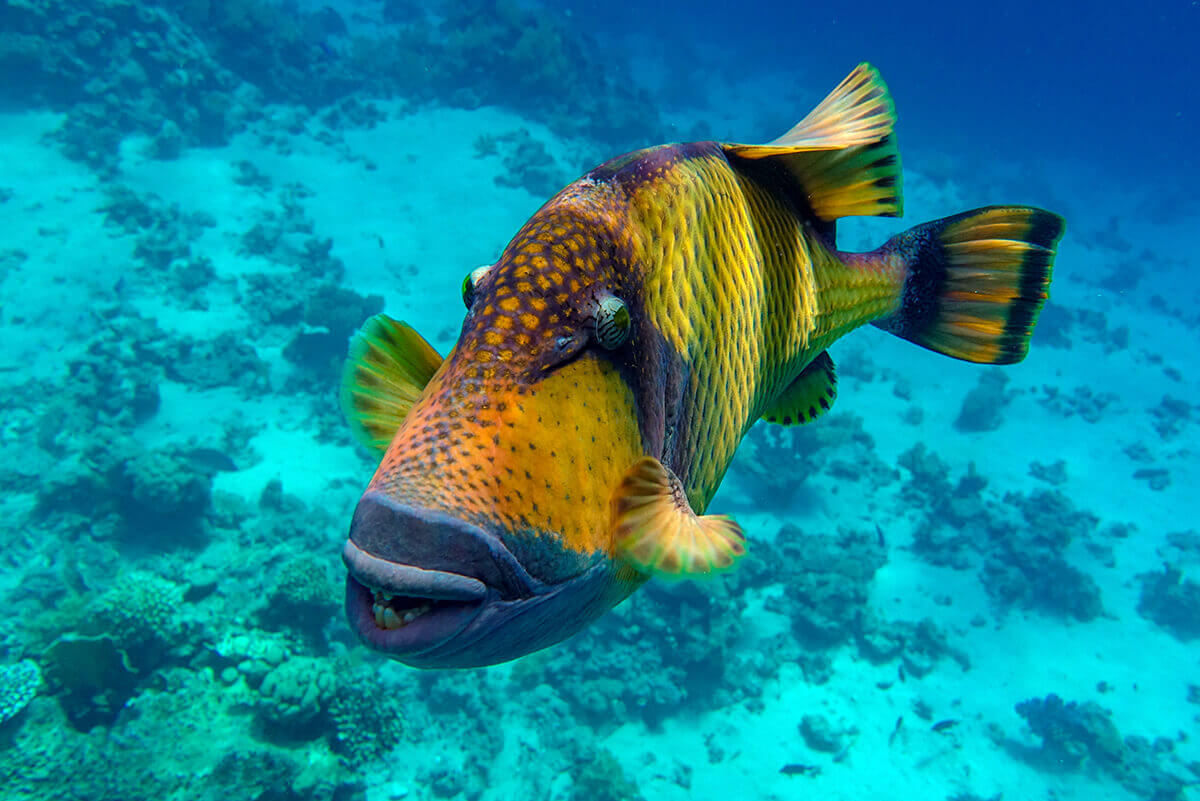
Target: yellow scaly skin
point(743, 292)
point(746, 291)
point(529, 425)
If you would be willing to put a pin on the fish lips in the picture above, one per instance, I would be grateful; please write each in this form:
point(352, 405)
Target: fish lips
point(485, 608)
point(425, 558)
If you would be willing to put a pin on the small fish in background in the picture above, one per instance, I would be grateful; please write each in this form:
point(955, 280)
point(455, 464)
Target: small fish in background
point(210, 460)
point(800, 769)
point(326, 50)
point(566, 450)
point(944, 725)
point(896, 730)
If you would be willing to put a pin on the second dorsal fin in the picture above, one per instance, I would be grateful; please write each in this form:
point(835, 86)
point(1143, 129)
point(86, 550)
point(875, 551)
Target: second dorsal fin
point(842, 158)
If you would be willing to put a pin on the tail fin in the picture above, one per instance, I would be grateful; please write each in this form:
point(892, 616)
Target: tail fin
point(975, 282)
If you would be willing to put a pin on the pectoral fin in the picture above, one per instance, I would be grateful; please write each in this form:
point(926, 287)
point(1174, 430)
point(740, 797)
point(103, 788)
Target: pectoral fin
point(388, 366)
point(656, 531)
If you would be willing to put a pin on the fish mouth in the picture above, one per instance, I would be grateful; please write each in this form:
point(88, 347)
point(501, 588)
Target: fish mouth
point(402, 609)
point(418, 578)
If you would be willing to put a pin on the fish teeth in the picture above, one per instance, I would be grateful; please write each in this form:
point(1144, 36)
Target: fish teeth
point(390, 619)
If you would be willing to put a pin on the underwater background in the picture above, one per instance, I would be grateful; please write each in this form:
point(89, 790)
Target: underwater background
point(962, 583)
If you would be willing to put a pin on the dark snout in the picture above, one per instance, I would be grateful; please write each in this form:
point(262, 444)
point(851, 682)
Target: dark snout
point(419, 578)
point(392, 540)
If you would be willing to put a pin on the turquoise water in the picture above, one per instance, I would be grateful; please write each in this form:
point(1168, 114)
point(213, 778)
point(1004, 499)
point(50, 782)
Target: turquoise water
point(963, 582)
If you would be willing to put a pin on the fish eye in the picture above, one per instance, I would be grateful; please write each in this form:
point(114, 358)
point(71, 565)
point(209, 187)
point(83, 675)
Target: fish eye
point(471, 282)
point(612, 323)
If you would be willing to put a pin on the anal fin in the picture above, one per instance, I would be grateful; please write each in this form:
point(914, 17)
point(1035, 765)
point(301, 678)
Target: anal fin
point(810, 394)
point(656, 531)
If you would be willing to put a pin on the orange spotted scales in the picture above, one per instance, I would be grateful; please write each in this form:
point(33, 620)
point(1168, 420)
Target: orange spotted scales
point(615, 355)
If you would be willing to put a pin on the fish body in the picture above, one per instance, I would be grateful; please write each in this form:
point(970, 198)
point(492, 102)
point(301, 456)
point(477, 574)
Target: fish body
point(612, 359)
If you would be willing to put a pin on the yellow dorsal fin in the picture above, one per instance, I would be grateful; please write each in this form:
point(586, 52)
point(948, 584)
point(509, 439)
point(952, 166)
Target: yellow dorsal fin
point(656, 531)
point(842, 157)
point(388, 366)
point(808, 396)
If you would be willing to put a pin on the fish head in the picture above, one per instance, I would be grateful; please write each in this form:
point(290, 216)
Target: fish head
point(485, 533)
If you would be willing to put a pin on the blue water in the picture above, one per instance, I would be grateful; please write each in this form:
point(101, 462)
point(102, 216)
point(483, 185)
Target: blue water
point(963, 582)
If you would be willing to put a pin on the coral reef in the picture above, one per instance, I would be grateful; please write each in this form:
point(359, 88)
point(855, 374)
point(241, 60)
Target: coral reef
point(1058, 325)
point(821, 735)
point(293, 695)
point(367, 723)
point(1083, 401)
point(526, 162)
point(826, 581)
point(118, 68)
point(1020, 538)
point(669, 644)
point(774, 462)
point(919, 646)
point(1054, 474)
point(1171, 601)
point(1073, 734)
point(331, 314)
point(197, 73)
point(174, 624)
point(597, 776)
point(225, 360)
point(160, 488)
point(499, 53)
point(286, 238)
point(1171, 415)
point(304, 597)
point(983, 407)
point(207, 734)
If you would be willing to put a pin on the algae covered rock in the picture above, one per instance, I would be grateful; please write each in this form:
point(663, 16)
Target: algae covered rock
point(92, 679)
point(819, 734)
point(107, 644)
